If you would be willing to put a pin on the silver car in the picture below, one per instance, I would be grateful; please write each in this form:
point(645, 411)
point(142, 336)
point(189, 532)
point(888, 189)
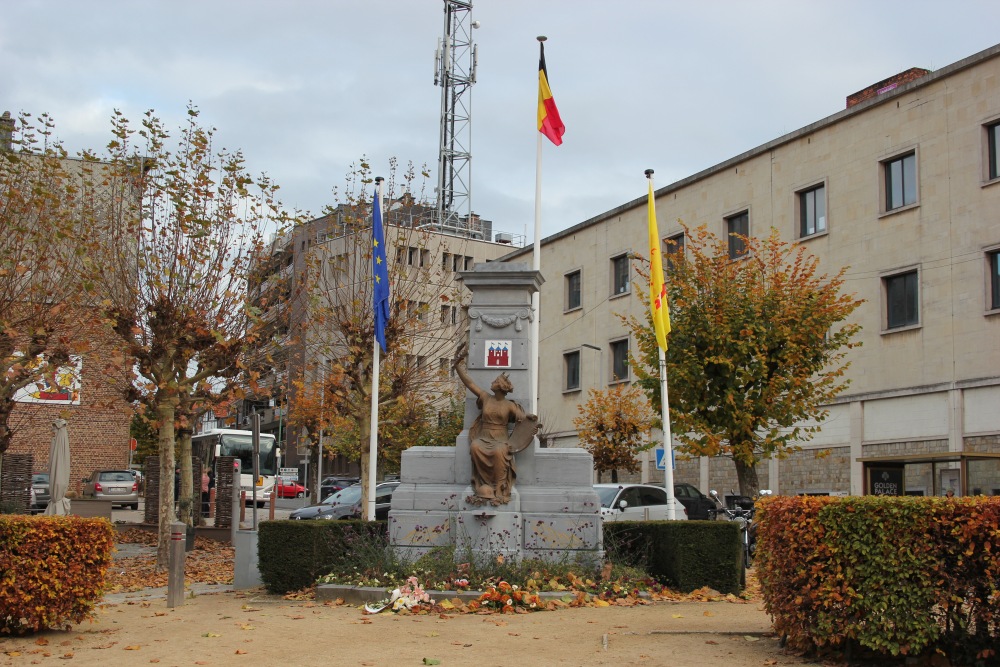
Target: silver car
point(118, 486)
point(40, 491)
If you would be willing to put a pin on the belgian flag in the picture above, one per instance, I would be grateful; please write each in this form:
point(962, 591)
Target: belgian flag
point(549, 122)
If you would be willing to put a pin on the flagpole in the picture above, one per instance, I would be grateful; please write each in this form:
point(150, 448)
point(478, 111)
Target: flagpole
point(373, 424)
point(536, 264)
point(668, 455)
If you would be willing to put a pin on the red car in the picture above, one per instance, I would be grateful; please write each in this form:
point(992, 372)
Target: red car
point(290, 490)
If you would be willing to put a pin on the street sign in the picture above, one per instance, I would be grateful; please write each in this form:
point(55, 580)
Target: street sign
point(659, 459)
point(289, 474)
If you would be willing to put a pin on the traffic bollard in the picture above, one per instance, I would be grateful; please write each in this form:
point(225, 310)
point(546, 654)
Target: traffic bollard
point(175, 559)
point(243, 506)
point(270, 511)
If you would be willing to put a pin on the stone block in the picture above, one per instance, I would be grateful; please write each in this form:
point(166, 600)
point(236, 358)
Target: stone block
point(428, 465)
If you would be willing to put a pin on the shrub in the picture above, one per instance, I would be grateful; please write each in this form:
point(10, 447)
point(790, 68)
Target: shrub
point(895, 575)
point(52, 570)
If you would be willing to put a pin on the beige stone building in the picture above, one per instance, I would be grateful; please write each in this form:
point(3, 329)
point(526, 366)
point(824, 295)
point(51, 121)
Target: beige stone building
point(903, 187)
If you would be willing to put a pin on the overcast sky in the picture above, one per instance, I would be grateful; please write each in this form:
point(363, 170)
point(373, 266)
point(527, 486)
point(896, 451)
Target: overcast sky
point(307, 88)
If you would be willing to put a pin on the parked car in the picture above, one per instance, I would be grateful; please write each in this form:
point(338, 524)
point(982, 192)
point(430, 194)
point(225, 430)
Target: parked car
point(290, 490)
point(636, 502)
point(118, 486)
point(333, 484)
point(350, 495)
point(698, 505)
point(40, 492)
point(383, 502)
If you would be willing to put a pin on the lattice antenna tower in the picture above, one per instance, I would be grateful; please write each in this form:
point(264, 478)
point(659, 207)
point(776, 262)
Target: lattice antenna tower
point(455, 71)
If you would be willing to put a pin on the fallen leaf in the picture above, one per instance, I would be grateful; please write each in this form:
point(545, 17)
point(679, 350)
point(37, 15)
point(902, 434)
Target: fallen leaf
point(710, 641)
point(200, 662)
point(42, 641)
point(159, 613)
point(601, 603)
point(66, 656)
point(431, 661)
point(433, 634)
point(751, 639)
point(210, 634)
point(247, 626)
point(133, 647)
point(240, 651)
point(678, 616)
point(709, 613)
point(154, 659)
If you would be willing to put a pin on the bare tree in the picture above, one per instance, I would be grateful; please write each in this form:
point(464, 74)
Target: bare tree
point(175, 277)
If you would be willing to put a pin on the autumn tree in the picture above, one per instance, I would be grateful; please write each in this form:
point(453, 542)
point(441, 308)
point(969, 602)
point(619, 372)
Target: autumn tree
point(175, 271)
point(44, 244)
point(756, 350)
point(614, 426)
point(425, 323)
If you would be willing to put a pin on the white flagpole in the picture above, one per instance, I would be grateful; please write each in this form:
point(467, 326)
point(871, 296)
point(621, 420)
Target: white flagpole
point(373, 424)
point(668, 452)
point(536, 264)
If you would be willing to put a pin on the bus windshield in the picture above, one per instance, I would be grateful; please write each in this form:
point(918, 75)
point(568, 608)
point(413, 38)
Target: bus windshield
point(241, 446)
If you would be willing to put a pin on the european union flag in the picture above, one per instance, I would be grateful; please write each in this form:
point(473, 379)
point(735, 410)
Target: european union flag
point(380, 272)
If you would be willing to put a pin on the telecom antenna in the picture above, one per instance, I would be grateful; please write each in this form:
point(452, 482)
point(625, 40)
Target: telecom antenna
point(455, 71)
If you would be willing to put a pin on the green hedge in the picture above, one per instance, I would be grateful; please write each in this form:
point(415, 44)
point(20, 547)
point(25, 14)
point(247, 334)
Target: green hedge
point(684, 554)
point(293, 554)
point(52, 570)
point(891, 575)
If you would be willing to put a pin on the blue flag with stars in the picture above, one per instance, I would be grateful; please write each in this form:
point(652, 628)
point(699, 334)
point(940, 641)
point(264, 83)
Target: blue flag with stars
point(380, 272)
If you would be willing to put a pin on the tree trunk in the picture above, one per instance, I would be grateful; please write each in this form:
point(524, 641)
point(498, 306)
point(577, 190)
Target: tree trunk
point(165, 414)
point(747, 476)
point(186, 501)
point(614, 476)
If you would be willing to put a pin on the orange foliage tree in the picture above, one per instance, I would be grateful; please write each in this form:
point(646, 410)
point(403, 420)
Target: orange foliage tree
point(757, 349)
point(614, 426)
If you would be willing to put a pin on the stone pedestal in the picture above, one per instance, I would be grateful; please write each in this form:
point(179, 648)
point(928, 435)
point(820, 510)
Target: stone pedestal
point(554, 513)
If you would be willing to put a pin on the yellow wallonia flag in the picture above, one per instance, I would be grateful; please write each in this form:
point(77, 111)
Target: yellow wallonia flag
point(657, 289)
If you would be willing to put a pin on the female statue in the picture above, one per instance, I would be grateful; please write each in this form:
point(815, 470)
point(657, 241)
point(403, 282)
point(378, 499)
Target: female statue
point(491, 446)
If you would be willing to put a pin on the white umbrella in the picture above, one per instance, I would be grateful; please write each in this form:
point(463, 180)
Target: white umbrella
point(59, 469)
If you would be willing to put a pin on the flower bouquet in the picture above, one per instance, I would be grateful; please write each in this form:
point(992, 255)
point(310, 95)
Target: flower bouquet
point(506, 599)
point(408, 596)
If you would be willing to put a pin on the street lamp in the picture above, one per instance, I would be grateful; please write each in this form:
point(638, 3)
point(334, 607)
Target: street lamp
point(600, 360)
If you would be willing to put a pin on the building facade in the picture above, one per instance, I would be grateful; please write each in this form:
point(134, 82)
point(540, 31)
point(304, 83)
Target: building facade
point(902, 187)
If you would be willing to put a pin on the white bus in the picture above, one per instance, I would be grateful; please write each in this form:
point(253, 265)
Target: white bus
point(218, 442)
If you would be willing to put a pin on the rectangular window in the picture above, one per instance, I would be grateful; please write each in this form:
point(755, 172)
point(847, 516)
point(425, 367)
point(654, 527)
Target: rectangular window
point(993, 150)
point(993, 260)
point(738, 224)
point(445, 261)
point(572, 290)
point(900, 181)
point(812, 211)
point(901, 300)
point(673, 250)
point(619, 274)
point(571, 360)
point(619, 360)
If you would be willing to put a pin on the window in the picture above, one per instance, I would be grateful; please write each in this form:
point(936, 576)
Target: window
point(571, 360)
point(572, 290)
point(900, 181)
point(901, 300)
point(619, 360)
point(993, 262)
point(738, 224)
point(673, 250)
point(993, 151)
point(445, 261)
point(619, 274)
point(812, 211)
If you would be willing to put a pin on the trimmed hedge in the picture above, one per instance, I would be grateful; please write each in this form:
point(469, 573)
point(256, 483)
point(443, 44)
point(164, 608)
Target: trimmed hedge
point(292, 555)
point(52, 570)
point(683, 554)
point(894, 575)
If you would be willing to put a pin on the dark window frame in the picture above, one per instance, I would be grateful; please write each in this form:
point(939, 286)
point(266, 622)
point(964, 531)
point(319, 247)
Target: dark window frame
point(619, 361)
point(993, 266)
point(993, 151)
point(620, 274)
point(907, 179)
point(812, 211)
point(574, 293)
point(738, 224)
point(902, 299)
point(569, 359)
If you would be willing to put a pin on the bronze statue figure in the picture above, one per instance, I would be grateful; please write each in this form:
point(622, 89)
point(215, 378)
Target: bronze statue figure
point(491, 446)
